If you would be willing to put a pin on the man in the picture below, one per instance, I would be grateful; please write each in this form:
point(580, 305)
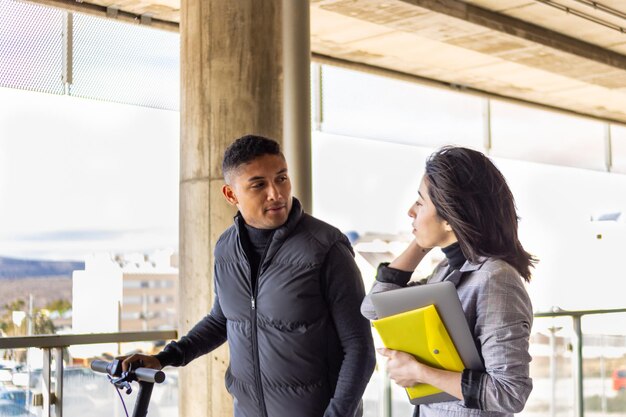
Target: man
point(287, 298)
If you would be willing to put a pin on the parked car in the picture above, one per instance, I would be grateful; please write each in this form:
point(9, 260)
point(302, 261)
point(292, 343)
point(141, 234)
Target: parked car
point(619, 379)
point(7, 368)
point(16, 396)
point(21, 378)
point(5, 375)
point(9, 408)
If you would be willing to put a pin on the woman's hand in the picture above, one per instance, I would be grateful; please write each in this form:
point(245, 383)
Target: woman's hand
point(406, 371)
point(402, 367)
point(410, 258)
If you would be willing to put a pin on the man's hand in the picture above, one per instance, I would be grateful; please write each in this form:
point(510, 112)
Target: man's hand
point(402, 367)
point(143, 361)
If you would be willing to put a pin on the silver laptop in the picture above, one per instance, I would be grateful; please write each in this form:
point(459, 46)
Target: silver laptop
point(445, 298)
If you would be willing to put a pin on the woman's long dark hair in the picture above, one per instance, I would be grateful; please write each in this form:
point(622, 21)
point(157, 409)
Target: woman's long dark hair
point(471, 194)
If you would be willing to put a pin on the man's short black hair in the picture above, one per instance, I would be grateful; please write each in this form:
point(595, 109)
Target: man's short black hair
point(246, 149)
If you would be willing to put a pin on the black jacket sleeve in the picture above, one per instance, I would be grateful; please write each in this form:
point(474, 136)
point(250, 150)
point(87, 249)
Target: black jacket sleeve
point(344, 292)
point(208, 334)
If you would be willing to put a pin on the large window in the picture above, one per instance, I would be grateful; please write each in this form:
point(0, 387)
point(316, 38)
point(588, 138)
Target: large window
point(89, 158)
point(368, 158)
point(81, 176)
point(89, 163)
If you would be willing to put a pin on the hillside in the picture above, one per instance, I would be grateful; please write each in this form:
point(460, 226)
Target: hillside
point(11, 268)
point(43, 289)
point(47, 281)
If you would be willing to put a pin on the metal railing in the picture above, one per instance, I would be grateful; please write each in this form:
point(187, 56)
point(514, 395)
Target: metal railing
point(53, 346)
point(576, 316)
point(386, 407)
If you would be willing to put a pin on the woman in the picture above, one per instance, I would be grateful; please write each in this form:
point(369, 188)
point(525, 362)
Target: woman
point(466, 208)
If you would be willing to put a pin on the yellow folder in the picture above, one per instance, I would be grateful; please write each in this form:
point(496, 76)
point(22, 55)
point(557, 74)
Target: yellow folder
point(421, 333)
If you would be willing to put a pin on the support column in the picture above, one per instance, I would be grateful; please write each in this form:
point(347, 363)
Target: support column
point(297, 98)
point(231, 84)
point(579, 410)
point(487, 140)
point(46, 383)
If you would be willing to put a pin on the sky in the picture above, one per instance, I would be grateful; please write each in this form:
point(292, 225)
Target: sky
point(85, 176)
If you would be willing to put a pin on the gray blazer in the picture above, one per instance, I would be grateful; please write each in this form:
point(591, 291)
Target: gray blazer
point(499, 314)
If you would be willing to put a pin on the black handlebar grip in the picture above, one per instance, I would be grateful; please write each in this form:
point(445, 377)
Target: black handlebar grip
point(149, 375)
point(100, 366)
point(113, 368)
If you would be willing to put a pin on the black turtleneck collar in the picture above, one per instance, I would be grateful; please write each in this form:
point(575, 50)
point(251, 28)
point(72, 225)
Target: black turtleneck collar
point(258, 237)
point(454, 254)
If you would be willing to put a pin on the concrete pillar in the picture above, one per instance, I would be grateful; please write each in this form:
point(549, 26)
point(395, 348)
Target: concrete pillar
point(231, 84)
point(297, 98)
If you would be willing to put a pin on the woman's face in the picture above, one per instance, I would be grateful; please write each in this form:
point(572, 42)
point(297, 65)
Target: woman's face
point(429, 229)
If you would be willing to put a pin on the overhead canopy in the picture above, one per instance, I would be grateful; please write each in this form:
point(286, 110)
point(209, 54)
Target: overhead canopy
point(564, 54)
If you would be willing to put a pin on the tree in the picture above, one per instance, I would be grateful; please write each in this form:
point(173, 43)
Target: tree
point(7, 325)
point(41, 322)
point(59, 305)
point(15, 305)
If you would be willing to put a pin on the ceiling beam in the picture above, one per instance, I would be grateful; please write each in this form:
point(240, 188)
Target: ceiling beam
point(453, 8)
point(521, 29)
point(103, 11)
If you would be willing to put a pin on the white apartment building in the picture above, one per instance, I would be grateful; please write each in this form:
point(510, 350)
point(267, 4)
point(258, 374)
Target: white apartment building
point(125, 293)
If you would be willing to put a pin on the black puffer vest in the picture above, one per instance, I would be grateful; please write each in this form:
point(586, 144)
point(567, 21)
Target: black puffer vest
point(284, 351)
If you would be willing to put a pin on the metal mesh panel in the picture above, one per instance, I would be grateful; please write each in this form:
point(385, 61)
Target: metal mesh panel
point(124, 63)
point(31, 47)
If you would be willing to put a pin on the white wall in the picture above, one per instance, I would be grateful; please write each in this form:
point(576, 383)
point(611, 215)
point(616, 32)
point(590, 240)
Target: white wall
point(96, 296)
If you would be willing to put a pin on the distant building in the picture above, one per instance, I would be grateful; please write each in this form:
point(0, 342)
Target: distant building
point(125, 293)
point(150, 294)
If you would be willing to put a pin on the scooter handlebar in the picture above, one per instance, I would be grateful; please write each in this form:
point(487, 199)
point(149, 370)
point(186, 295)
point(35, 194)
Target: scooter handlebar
point(101, 366)
point(115, 369)
point(150, 375)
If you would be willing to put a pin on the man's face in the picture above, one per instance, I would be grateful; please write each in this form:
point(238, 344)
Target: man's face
point(261, 190)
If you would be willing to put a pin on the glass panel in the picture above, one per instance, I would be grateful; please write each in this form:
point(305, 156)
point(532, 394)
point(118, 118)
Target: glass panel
point(125, 63)
point(84, 392)
point(556, 205)
point(530, 134)
point(604, 364)
point(551, 368)
point(375, 169)
point(90, 393)
point(31, 47)
point(368, 106)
